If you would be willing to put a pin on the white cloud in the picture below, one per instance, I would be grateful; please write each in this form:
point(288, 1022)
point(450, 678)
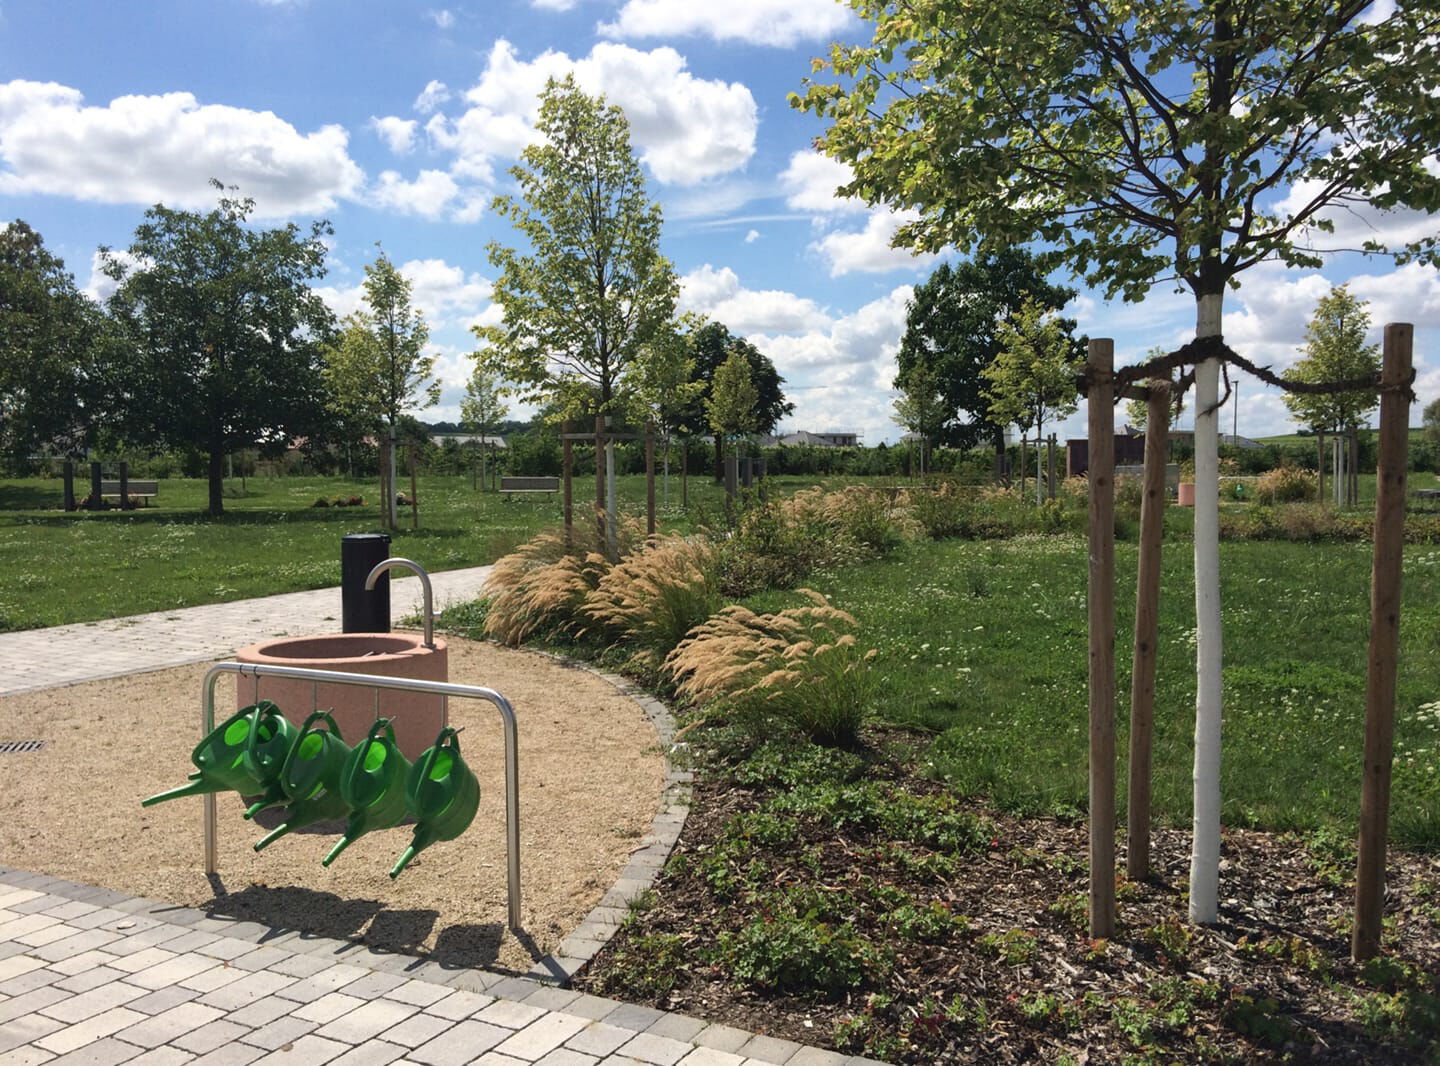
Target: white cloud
point(143, 149)
point(440, 291)
point(101, 286)
point(686, 129)
point(810, 180)
point(777, 23)
point(443, 18)
point(397, 133)
point(1357, 223)
point(428, 195)
point(431, 97)
point(719, 295)
point(752, 236)
point(868, 250)
point(554, 5)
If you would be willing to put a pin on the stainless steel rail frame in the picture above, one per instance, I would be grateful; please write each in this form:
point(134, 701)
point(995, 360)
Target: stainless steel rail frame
point(438, 688)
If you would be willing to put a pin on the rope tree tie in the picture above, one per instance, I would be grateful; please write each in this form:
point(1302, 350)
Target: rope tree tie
point(1160, 381)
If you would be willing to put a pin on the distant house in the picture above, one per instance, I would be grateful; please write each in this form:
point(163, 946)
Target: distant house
point(821, 440)
point(468, 438)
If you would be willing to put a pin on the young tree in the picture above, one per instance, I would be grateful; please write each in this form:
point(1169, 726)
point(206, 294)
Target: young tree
point(921, 408)
point(482, 409)
point(951, 322)
point(1033, 377)
point(733, 398)
point(1335, 350)
point(662, 385)
point(712, 343)
point(55, 348)
point(1153, 141)
point(378, 368)
point(225, 328)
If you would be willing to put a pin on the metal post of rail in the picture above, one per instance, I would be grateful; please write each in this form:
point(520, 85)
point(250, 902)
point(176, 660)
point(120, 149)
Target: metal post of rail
point(399, 684)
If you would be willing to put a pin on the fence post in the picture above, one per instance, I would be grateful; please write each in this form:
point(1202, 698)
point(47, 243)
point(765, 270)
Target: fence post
point(414, 493)
point(68, 473)
point(1147, 626)
point(600, 537)
point(95, 501)
point(1101, 598)
point(124, 485)
point(1384, 639)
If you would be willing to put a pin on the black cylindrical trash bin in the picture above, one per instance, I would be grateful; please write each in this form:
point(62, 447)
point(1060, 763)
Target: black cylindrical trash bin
point(361, 611)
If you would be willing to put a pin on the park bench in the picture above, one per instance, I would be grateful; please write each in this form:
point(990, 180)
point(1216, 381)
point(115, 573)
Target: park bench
point(1425, 494)
point(144, 490)
point(529, 484)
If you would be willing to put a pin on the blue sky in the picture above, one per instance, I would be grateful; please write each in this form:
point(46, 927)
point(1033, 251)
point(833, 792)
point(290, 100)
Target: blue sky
point(398, 122)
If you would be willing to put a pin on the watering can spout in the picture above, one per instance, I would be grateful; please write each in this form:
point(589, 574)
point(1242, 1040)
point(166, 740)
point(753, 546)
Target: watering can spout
point(272, 836)
point(340, 845)
point(196, 786)
point(423, 839)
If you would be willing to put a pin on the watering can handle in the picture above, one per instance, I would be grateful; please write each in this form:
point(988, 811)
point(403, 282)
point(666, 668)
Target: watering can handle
point(316, 716)
point(445, 734)
point(254, 717)
point(357, 759)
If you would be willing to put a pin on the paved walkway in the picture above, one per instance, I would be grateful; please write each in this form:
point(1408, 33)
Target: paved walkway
point(89, 651)
point(89, 977)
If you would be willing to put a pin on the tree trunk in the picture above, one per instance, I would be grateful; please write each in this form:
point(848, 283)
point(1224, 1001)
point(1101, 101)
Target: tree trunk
point(1320, 448)
point(1100, 613)
point(1354, 466)
point(685, 473)
point(719, 458)
point(1205, 849)
point(1023, 467)
point(216, 477)
point(999, 442)
point(392, 511)
point(1039, 464)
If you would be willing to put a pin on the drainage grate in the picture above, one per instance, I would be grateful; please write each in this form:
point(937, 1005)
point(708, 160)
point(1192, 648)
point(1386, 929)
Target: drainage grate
point(14, 747)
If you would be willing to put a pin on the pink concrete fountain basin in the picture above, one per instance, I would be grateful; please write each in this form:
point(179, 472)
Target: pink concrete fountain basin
point(418, 716)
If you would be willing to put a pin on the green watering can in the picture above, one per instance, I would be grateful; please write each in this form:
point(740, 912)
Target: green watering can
point(442, 794)
point(311, 777)
point(372, 784)
point(244, 753)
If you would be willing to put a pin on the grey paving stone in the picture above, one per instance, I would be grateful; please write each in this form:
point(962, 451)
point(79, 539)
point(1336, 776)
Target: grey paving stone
point(459, 1005)
point(658, 1050)
point(593, 1007)
point(417, 1029)
point(70, 910)
point(311, 1050)
point(721, 1038)
point(367, 1021)
point(263, 958)
point(566, 1057)
point(84, 961)
point(374, 984)
point(459, 1045)
point(677, 1027)
point(515, 988)
point(226, 948)
point(632, 1016)
point(24, 1029)
point(103, 917)
point(163, 999)
point(162, 1056)
point(164, 1027)
point(814, 1056)
point(473, 980)
point(29, 1002)
point(208, 1037)
point(551, 998)
point(328, 1007)
point(263, 1011)
point(769, 1049)
point(172, 971)
point(76, 944)
point(372, 1053)
point(708, 1056)
point(24, 1056)
point(28, 981)
point(542, 1036)
point(194, 940)
point(300, 965)
point(93, 1029)
point(599, 1039)
point(235, 1054)
point(43, 902)
point(88, 1004)
point(330, 979)
point(420, 993)
point(143, 959)
point(88, 979)
point(109, 1052)
point(247, 990)
point(280, 1032)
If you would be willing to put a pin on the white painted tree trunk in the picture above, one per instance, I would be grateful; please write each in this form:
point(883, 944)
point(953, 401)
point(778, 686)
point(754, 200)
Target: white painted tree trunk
point(665, 480)
point(1205, 849)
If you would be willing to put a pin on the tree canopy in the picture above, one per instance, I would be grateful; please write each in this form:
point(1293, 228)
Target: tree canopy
point(593, 288)
point(951, 325)
point(1335, 350)
point(54, 348)
point(225, 329)
point(1033, 377)
point(731, 405)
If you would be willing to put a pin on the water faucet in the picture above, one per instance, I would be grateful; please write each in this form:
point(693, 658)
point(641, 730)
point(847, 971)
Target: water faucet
point(409, 564)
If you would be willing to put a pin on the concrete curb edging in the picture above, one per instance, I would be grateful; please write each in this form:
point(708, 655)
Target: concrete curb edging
point(577, 949)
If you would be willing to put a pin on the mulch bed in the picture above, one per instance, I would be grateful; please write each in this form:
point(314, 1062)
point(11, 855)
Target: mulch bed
point(1014, 977)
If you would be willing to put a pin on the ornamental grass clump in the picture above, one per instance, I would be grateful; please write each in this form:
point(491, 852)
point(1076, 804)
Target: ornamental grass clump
point(801, 666)
point(540, 589)
point(650, 601)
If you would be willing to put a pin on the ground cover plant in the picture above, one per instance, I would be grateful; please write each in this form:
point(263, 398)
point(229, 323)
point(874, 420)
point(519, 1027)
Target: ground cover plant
point(919, 895)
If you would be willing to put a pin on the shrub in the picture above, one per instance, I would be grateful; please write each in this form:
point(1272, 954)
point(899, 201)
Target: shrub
point(789, 954)
point(802, 666)
point(777, 546)
point(652, 599)
point(1286, 484)
point(321, 502)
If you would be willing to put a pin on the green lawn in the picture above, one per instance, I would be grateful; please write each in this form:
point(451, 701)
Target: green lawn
point(985, 644)
point(78, 567)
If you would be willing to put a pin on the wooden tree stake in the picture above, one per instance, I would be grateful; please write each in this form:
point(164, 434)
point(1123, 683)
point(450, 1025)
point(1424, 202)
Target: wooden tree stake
point(414, 493)
point(1384, 640)
point(600, 538)
point(650, 479)
point(1147, 625)
point(567, 469)
point(1101, 596)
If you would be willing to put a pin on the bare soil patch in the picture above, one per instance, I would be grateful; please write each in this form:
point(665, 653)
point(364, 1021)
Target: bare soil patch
point(590, 781)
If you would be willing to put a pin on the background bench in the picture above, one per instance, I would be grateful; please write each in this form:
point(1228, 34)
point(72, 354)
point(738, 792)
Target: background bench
point(529, 484)
point(144, 490)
